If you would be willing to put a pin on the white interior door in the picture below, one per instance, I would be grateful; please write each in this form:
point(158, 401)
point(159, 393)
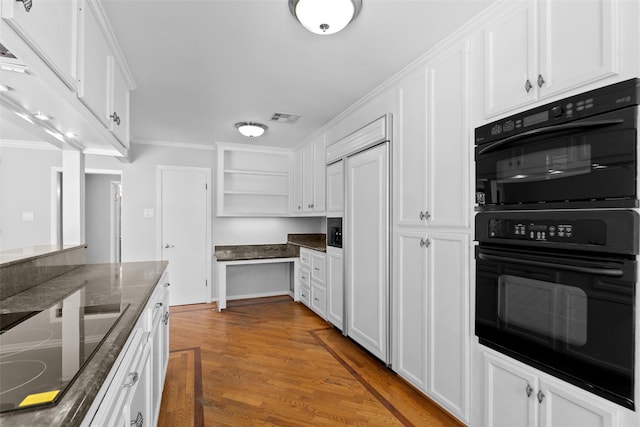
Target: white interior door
point(184, 225)
point(367, 244)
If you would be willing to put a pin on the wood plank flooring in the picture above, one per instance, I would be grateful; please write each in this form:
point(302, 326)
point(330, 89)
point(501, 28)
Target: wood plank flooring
point(272, 362)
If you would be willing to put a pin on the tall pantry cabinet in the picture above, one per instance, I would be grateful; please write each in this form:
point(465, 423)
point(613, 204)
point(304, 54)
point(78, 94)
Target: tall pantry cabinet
point(432, 235)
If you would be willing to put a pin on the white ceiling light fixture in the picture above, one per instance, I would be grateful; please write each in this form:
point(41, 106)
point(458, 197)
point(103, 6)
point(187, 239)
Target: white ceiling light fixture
point(251, 129)
point(41, 116)
point(325, 16)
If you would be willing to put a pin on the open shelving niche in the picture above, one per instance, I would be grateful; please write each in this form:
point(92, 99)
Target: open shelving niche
point(253, 181)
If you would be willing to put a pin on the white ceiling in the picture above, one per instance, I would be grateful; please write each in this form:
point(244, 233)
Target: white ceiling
point(202, 65)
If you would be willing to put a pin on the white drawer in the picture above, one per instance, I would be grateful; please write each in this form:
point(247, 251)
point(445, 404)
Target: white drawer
point(318, 267)
point(305, 277)
point(305, 257)
point(318, 301)
point(305, 295)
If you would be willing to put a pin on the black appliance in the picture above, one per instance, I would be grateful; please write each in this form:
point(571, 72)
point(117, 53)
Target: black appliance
point(579, 152)
point(43, 351)
point(556, 290)
point(334, 232)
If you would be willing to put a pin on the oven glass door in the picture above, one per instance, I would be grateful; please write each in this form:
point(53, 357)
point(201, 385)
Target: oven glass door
point(591, 163)
point(566, 314)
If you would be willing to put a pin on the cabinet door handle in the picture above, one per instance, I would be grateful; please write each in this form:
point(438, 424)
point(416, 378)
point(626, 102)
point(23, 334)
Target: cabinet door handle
point(166, 285)
point(424, 216)
point(27, 4)
point(316, 268)
point(540, 80)
point(540, 396)
point(529, 390)
point(165, 319)
point(139, 421)
point(168, 246)
point(115, 118)
point(425, 243)
point(528, 86)
point(158, 304)
point(134, 379)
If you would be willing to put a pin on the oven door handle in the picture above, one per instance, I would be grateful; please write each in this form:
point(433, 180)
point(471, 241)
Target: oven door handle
point(546, 130)
point(609, 272)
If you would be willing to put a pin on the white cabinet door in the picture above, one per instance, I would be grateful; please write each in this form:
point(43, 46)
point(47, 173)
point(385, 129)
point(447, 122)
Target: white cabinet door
point(335, 189)
point(335, 287)
point(562, 408)
point(367, 228)
point(510, 395)
point(577, 44)
point(297, 182)
point(410, 307)
point(50, 29)
point(448, 311)
point(120, 107)
point(95, 67)
point(510, 64)
point(308, 152)
point(319, 174)
point(411, 152)
point(449, 141)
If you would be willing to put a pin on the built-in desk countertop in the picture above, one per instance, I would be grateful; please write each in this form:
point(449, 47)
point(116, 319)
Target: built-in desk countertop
point(264, 254)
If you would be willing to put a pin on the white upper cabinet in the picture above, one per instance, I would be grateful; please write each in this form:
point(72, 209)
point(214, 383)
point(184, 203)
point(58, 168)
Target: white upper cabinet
point(297, 181)
point(535, 50)
point(120, 106)
point(510, 59)
point(95, 66)
point(434, 147)
point(102, 86)
point(50, 29)
point(410, 170)
point(335, 189)
point(313, 176)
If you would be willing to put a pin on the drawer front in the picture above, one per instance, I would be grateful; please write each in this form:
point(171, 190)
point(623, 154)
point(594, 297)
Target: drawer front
point(305, 277)
point(305, 295)
point(318, 301)
point(318, 268)
point(305, 257)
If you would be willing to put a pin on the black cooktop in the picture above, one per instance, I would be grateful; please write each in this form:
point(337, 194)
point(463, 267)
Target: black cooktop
point(42, 352)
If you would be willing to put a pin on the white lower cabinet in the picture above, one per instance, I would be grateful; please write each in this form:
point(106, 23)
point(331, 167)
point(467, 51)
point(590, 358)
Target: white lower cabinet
point(132, 393)
point(313, 290)
point(335, 287)
point(517, 395)
point(430, 328)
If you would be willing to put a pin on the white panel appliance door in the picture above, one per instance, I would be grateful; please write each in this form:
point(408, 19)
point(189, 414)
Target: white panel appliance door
point(184, 233)
point(367, 246)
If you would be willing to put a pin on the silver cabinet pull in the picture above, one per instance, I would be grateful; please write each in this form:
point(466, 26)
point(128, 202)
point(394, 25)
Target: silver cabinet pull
point(425, 243)
point(424, 215)
point(27, 4)
point(139, 421)
point(316, 268)
point(528, 86)
point(540, 80)
point(133, 379)
point(158, 304)
point(540, 396)
point(115, 118)
point(529, 390)
point(168, 246)
point(165, 318)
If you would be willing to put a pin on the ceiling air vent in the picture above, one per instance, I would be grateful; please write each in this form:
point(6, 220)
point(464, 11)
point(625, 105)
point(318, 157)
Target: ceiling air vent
point(284, 118)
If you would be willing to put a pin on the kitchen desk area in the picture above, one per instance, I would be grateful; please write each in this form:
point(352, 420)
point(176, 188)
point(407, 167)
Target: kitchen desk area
point(289, 252)
point(80, 331)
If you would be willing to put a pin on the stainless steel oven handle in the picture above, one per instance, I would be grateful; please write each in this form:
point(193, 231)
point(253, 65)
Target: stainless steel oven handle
point(610, 272)
point(548, 129)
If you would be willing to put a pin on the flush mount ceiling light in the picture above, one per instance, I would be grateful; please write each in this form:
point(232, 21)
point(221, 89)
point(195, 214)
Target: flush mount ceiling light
point(251, 129)
point(325, 16)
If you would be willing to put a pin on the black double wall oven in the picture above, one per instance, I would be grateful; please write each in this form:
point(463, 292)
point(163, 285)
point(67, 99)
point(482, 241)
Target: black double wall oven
point(557, 232)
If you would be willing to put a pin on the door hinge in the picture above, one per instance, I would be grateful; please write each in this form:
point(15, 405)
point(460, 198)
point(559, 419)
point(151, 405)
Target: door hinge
point(206, 283)
point(206, 186)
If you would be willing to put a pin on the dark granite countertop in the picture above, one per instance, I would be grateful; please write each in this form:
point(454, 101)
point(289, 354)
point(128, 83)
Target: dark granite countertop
point(247, 252)
point(127, 283)
point(291, 249)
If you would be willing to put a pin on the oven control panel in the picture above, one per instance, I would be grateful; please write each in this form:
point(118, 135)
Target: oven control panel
point(566, 231)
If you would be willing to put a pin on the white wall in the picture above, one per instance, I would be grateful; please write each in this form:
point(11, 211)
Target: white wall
point(25, 187)
point(139, 193)
point(98, 217)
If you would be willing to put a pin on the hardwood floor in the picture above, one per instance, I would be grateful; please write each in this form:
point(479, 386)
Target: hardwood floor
point(272, 362)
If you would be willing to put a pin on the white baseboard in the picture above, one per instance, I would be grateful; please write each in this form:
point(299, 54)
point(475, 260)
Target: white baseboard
point(259, 295)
